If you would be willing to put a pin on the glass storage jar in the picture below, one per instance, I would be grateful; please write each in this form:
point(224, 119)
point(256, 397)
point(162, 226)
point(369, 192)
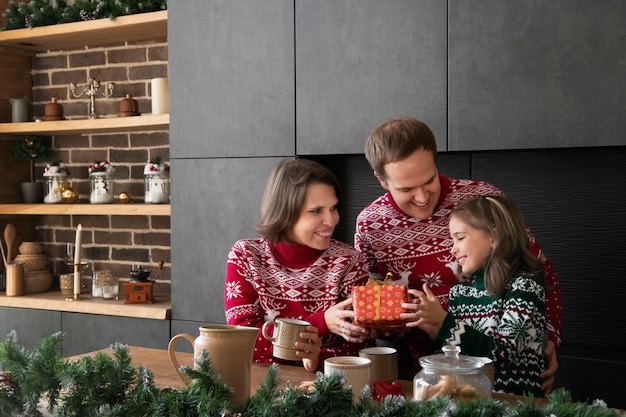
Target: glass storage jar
point(101, 188)
point(450, 374)
point(54, 184)
point(157, 187)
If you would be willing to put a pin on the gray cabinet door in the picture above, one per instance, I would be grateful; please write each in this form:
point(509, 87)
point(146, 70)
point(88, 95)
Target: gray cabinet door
point(536, 74)
point(231, 78)
point(361, 62)
point(30, 325)
point(88, 332)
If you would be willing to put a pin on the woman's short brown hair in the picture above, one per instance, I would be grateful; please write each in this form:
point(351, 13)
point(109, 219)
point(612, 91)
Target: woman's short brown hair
point(395, 140)
point(284, 195)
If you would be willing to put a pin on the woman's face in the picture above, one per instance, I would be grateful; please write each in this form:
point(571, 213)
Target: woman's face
point(318, 217)
point(471, 247)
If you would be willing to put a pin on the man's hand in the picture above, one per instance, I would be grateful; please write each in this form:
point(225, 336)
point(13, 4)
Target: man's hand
point(548, 374)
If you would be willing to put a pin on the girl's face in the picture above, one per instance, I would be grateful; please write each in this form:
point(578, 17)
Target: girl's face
point(471, 247)
point(318, 217)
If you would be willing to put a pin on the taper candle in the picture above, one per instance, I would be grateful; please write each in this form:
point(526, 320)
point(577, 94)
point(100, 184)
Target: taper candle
point(160, 96)
point(79, 229)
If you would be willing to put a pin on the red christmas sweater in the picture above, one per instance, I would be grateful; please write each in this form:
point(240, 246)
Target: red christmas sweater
point(265, 281)
point(418, 251)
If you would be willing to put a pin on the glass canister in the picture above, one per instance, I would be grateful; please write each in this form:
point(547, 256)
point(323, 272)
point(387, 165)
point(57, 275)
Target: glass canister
point(101, 188)
point(451, 374)
point(54, 184)
point(157, 187)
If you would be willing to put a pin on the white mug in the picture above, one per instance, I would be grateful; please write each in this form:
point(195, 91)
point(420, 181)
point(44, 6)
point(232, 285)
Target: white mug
point(355, 369)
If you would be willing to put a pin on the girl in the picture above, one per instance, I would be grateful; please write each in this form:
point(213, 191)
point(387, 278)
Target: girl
point(498, 308)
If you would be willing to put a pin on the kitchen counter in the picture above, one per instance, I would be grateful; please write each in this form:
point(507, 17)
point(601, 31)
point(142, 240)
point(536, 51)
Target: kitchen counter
point(55, 301)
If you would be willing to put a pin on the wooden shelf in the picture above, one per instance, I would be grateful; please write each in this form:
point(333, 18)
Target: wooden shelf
point(55, 301)
point(87, 209)
point(138, 27)
point(89, 126)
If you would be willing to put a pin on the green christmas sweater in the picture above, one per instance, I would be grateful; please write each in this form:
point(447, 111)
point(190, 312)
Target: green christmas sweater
point(509, 328)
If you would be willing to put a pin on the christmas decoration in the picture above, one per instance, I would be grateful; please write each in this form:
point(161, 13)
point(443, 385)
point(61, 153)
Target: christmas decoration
point(124, 197)
point(30, 14)
point(56, 167)
point(109, 385)
point(155, 165)
point(101, 166)
point(69, 195)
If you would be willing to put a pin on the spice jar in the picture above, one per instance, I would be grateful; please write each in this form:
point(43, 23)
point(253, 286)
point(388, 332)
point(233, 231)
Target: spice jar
point(101, 188)
point(451, 374)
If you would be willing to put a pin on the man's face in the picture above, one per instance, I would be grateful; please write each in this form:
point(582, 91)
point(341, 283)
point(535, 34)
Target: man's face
point(413, 183)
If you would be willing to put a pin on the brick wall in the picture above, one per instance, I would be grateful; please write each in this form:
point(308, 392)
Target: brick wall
point(111, 242)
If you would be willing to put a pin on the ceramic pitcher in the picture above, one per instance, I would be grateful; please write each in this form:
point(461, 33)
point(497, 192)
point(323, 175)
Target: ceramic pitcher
point(19, 109)
point(230, 349)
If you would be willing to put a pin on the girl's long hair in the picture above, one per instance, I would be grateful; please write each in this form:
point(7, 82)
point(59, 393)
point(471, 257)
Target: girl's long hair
point(512, 257)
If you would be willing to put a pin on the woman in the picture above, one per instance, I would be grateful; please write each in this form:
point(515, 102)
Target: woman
point(296, 270)
point(498, 308)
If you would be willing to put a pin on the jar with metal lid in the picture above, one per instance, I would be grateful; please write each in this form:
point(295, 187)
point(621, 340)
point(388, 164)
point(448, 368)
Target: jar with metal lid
point(451, 374)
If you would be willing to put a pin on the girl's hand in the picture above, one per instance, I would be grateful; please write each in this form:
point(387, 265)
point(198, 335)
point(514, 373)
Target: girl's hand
point(309, 351)
point(427, 312)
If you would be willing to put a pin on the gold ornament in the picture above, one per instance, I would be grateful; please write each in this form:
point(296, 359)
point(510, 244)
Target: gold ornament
point(69, 196)
point(124, 197)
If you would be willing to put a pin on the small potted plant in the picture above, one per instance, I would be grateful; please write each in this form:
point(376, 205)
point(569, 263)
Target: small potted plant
point(33, 149)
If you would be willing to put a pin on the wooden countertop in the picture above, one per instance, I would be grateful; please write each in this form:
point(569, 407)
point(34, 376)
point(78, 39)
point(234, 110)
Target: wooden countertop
point(55, 301)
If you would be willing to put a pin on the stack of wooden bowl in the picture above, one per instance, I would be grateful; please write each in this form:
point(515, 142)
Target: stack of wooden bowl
point(37, 276)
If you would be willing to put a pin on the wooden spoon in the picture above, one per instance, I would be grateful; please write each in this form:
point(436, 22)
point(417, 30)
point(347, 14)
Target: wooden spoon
point(10, 234)
point(19, 238)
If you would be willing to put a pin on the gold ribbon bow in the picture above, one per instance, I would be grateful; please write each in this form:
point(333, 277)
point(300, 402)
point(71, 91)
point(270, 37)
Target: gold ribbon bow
point(376, 282)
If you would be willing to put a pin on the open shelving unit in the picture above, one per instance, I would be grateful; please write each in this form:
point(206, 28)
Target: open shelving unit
point(93, 33)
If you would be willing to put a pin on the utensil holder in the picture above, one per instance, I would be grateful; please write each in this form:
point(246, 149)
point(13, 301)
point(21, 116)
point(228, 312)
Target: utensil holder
point(15, 279)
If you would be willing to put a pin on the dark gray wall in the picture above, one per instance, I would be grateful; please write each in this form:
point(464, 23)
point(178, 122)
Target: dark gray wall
point(254, 81)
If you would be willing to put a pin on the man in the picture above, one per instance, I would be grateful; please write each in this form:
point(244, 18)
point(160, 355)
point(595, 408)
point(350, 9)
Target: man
point(405, 231)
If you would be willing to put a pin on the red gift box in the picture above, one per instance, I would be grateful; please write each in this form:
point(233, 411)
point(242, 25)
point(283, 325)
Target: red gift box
point(378, 305)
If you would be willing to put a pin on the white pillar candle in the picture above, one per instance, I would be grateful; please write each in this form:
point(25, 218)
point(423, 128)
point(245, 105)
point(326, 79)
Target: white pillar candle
point(77, 262)
point(160, 96)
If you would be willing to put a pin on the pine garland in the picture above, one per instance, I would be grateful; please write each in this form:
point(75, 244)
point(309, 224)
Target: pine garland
point(109, 385)
point(34, 13)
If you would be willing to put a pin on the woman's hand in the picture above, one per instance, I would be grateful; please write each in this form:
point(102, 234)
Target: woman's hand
point(427, 312)
point(309, 351)
point(339, 318)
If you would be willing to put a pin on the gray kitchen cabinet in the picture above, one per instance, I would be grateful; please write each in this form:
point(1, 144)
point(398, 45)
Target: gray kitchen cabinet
point(361, 62)
point(231, 79)
point(210, 216)
point(89, 332)
point(30, 325)
point(536, 74)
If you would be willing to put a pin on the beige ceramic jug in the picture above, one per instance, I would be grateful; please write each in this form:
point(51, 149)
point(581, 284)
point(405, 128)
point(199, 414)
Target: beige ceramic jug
point(230, 349)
